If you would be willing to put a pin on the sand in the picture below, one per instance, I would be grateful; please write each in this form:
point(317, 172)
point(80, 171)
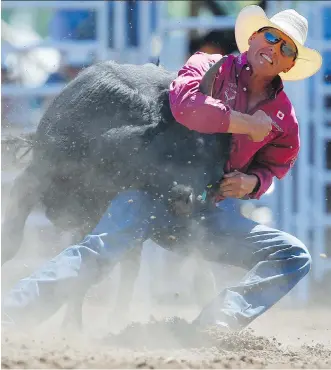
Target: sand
point(172, 345)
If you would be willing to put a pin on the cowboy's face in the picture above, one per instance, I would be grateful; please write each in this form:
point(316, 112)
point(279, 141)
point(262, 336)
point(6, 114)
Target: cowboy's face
point(271, 52)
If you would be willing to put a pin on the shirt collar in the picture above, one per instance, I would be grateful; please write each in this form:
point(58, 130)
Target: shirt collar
point(242, 62)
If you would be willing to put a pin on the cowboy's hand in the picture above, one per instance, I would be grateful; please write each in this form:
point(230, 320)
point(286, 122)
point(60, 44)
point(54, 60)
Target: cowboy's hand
point(237, 184)
point(260, 126)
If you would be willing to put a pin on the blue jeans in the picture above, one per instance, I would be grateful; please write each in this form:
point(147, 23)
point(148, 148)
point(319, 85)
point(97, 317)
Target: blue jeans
point(275, 260)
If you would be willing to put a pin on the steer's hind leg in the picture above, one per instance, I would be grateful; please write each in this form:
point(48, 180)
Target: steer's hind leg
point(73, 316)
point(24, 195)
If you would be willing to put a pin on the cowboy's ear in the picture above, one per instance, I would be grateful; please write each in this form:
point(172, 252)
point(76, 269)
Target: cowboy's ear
point(290, 67)
point(252, 37)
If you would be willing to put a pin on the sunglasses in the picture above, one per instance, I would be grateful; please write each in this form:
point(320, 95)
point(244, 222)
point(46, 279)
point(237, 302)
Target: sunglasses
point(272, 37)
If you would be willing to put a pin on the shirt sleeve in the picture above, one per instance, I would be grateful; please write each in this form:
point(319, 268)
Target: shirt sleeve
point(189, 106)
point(274, 159)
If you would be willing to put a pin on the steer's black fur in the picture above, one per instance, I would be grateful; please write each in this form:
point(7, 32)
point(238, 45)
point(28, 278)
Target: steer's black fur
point(110, 129)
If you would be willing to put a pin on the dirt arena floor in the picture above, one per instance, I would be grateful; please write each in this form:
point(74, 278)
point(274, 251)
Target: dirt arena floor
point(282, 338)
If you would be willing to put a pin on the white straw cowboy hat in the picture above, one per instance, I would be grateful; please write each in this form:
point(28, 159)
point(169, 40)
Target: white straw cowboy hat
point(252, 18)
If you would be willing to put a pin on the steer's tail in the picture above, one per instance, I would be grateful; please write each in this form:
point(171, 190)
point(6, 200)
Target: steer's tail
point(15, 148)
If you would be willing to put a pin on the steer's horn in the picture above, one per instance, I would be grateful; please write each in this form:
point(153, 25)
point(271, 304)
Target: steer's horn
point(207, 82)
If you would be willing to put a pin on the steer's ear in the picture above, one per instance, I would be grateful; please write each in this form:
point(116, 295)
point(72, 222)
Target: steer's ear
point(207, 82)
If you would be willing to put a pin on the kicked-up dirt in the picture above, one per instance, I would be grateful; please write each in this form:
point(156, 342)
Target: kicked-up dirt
point(280, 339)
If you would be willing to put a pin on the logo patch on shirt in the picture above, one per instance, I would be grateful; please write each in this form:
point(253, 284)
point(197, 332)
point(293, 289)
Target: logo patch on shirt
point(280, 115)
point(230, 92)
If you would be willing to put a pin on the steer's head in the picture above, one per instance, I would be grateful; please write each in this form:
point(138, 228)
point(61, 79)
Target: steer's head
point(181, 199)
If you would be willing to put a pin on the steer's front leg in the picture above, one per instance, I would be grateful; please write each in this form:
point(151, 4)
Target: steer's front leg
point(129, 271)
point(204, 284)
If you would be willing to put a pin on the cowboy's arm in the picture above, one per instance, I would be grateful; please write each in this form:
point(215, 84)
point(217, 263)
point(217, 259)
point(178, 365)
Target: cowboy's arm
point(275, 159)
point(200, 112)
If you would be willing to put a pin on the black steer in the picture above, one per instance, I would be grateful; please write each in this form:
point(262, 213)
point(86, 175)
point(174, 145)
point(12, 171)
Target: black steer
point(110, 129)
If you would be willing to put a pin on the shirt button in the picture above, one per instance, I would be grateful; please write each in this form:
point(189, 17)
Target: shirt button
point(244, 88)
point(247, 68)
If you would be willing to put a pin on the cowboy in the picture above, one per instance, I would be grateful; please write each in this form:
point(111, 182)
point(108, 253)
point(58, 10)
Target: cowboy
point(248, 101)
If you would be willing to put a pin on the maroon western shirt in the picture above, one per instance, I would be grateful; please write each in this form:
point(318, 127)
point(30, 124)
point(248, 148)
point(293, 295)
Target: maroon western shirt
point(276, 154)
